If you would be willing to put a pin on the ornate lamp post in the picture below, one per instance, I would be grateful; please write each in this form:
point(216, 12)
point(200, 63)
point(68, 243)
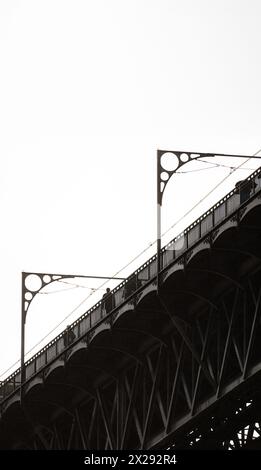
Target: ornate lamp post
point(28, 294)
point(163, 177)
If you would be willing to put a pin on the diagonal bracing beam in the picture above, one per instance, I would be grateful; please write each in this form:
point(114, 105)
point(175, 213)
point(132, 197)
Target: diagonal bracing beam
point(188, 342)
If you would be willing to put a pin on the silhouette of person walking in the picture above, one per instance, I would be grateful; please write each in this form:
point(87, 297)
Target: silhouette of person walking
point(68, 336)
point(245, 189)
point(108, 300)
point(130, 286)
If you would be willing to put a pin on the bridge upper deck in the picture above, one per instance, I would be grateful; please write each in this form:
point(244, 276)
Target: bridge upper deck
point(142, 277)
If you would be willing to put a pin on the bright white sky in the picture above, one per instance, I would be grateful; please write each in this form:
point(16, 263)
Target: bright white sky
point(89, 89)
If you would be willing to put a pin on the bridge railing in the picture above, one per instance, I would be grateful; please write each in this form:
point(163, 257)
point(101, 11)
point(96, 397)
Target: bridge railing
point(144, 274)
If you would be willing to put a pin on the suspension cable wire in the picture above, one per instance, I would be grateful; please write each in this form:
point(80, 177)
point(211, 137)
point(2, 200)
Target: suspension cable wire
point(65, 290)
point(197, 169)
point(57, 291)
point(78, 285)
point(233, 169)
point(211, 168)
point(222, 165)
point(73, 286)
point(11, 367)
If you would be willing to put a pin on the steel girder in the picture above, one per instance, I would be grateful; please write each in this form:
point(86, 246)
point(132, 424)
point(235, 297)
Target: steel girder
point(167, 398)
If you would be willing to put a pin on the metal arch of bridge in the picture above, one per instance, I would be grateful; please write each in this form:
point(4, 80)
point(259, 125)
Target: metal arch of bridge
point(217, 273)
point(243, 362)
point(154, 403)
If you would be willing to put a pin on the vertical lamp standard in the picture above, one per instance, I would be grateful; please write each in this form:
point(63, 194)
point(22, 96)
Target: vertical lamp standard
point(40, 280)
point(163, 176)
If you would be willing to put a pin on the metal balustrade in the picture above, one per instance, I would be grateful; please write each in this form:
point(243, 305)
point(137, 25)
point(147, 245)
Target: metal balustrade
point(143, 275)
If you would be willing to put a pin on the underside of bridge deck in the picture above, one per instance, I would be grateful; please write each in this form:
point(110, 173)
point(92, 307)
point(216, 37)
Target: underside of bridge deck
point(176, 368)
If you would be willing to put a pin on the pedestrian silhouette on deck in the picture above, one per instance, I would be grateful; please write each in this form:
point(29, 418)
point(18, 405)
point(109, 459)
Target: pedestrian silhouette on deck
point(245, 188)
point(68, 336)
point(108, 301)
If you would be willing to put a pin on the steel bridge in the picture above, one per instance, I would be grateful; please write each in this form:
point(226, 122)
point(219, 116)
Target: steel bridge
point(178, 367)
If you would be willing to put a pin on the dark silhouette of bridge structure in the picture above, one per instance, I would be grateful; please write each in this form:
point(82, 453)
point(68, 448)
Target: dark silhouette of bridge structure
point(176, 367)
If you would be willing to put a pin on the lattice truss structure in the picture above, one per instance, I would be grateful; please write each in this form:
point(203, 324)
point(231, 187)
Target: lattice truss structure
point(244, 437)
point(193, 385)
point(179, 367)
